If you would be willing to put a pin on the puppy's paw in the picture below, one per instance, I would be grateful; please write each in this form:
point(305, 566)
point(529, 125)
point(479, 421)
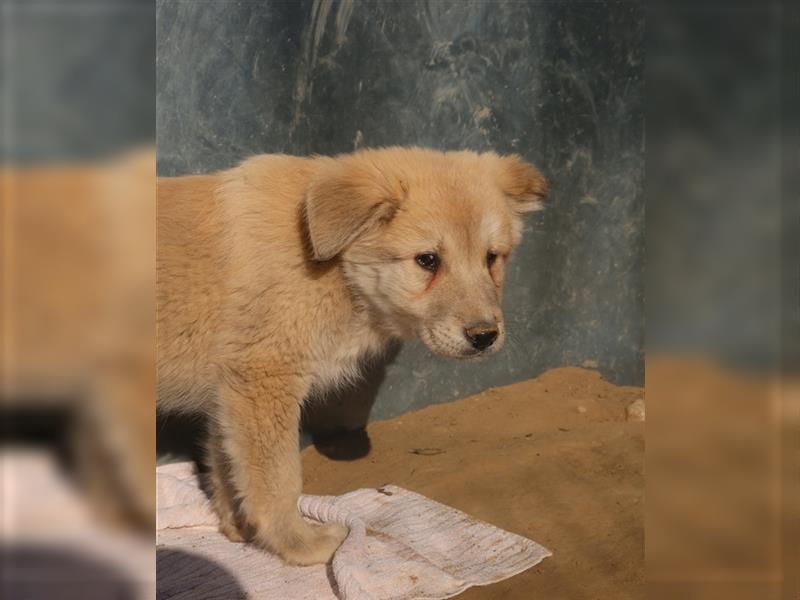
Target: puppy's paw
point(310, 544)
point(229, 529)
point(335, 533)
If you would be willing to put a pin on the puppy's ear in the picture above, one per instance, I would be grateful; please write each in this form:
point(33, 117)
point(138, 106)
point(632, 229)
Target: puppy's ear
point(347, 197)
point(522, 183)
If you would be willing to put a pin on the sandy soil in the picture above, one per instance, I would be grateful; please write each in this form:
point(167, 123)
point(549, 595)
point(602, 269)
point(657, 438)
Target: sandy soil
point(552, 458)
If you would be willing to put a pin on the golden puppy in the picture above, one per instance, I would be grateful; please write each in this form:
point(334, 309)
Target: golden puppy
point(276, 278)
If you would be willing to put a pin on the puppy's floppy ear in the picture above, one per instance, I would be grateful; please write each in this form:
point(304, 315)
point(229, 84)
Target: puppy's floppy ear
point(347, 197)
point(522, 183)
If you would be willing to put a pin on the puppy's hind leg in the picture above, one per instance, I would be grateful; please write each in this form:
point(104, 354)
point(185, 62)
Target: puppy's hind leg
point(259, 423)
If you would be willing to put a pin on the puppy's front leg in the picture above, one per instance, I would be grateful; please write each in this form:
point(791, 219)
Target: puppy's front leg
point(258, 421)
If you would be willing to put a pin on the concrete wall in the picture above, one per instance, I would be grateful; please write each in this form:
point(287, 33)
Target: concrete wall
point(561, 83)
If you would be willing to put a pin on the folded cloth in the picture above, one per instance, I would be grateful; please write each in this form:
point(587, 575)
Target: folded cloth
point(401, 546)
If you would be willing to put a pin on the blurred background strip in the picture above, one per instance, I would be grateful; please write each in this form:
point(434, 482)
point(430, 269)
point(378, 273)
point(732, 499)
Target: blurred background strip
point(77, 417)
point(721, 379)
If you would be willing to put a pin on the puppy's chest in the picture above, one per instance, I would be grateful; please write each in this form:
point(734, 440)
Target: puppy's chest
point(338, 358)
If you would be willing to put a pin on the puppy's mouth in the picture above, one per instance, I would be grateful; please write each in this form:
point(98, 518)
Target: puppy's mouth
point(452, 347)
point(472, 355)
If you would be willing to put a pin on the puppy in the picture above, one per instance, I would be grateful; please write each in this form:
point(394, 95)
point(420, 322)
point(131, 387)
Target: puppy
point(278, 277)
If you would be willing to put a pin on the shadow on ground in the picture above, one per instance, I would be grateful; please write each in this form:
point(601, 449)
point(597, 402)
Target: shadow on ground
point(179, 573)
point(335, 423)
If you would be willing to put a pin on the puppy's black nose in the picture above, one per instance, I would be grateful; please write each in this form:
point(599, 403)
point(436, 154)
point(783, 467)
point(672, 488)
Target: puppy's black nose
point(481, 335)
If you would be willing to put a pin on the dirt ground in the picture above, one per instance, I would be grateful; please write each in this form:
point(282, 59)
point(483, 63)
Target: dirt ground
point(551, 458)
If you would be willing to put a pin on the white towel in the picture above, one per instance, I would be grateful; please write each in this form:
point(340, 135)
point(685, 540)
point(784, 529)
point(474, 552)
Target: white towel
point(401, 546)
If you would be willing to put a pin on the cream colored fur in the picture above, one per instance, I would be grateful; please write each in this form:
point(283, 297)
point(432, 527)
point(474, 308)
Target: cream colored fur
point(278, 277)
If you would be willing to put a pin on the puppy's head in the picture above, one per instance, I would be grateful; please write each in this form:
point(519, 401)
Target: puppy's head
point(424, 237)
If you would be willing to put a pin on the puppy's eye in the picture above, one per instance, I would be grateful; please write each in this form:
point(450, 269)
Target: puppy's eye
point(491, 257)
point(428, 261)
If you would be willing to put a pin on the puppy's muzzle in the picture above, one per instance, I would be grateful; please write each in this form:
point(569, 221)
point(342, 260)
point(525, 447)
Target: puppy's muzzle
point(481, 335)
